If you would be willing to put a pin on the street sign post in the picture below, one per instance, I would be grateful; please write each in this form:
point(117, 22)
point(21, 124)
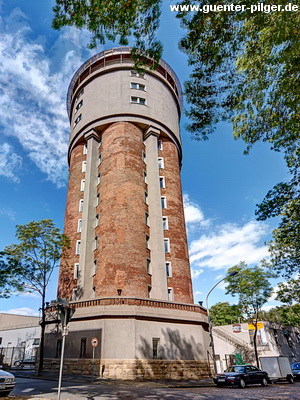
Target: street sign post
point(94, 343)
point(65, 313)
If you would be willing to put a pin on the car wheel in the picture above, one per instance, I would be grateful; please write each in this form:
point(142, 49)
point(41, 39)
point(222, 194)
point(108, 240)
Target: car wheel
point(4, 394)
point(264, 382)
point(242, 383)
point(18, 364)
point(290, 379)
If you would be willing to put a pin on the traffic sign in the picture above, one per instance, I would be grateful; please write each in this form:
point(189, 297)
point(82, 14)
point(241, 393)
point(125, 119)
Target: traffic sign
point(94, 342)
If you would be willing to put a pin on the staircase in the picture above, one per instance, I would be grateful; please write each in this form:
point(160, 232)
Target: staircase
point(241, 346)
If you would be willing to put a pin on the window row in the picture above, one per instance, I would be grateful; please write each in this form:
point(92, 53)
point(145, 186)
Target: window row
point(168, 268)
point(170, 293)
point(165, 221)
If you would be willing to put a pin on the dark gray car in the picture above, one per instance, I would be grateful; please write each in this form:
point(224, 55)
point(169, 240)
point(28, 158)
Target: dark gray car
point(241, 375)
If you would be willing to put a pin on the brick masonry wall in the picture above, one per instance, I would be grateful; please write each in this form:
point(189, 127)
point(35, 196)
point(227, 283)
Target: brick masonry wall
point(181, 274)
point(66, 282)
point(121, 254)
point(134, 369)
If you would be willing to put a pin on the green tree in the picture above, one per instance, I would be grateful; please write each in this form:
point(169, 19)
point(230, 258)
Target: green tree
point(223, 313)
point(32, 262)
point(246, 72)
point(115, 20)
point(285, 315)
point(252, 287)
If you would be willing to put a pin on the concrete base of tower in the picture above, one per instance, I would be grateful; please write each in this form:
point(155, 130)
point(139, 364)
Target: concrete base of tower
point(137, 339)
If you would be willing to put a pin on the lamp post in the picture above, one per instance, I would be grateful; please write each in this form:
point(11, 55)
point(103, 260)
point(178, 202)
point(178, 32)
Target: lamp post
point(209, 321)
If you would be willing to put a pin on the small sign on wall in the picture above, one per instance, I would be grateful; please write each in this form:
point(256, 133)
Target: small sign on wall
point(236, 328)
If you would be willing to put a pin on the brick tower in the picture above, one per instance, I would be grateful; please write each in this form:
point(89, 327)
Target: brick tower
point(128, 270)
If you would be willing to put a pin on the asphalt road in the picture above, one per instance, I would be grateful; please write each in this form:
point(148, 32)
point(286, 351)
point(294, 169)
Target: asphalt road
point(140, 391)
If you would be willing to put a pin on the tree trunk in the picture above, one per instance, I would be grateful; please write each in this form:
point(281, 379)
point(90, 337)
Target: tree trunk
point(255, 344)
point(43, 325)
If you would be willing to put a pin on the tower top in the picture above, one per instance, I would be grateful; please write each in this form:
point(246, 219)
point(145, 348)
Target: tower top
point(120, 55)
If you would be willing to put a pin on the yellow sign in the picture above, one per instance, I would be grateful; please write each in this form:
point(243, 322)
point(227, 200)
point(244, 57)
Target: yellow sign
point(260, 325)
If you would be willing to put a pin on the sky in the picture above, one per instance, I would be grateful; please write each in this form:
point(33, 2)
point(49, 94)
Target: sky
point(221, 186)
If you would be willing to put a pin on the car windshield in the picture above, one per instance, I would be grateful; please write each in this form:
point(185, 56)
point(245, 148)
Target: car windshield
point(235, 368)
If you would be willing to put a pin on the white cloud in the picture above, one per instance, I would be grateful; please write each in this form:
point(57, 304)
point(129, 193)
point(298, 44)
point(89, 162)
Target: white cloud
point(228, 245)
point(218, 277)
point(10, 162)
point(33, 89)
point(193, 213)
point(196, 273)
point(8, 212)
point(197, 293)
point(21, 311)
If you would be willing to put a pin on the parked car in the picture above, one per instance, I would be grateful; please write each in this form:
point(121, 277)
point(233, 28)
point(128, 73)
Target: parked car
point(26, 361)
point(7, 382)
point(241, 375)
point(295, 366)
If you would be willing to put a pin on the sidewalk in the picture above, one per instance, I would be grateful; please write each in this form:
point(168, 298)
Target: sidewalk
point(167, 383)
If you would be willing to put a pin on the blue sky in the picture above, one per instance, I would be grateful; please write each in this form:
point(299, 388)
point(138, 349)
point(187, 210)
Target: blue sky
point(221, 185)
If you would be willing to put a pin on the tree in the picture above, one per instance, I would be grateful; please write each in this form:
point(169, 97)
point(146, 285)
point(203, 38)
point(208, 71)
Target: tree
point(245, 67)
point(285, 315)
point(32, 262)
point(223, 313)
point(110, 19)
point(253, 289)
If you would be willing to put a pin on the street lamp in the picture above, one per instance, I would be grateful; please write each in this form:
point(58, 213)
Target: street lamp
point(209, 321)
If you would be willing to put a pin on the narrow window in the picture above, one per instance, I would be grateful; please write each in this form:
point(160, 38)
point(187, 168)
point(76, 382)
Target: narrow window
point(145, 177)
point(100, 158)
point(165, 223)
point(146, 198)
point(149, 291)
point(155, 347)
point(147, 242)
point(93, 292)
point(79, 225)
point(148, 261)
point(74, 294)
point(137, 74)
point(85, 148)
point(76, 271)
point(138, 100)
point(170, 294)
point(96, 242)
point(98, 199)
point(77, 119)
point(78, 246)
point(167, 245)
point(161, 162)
point(163, 202)
point(138, 86)
point(80, 205)
point(79, 94)
point(82, 348)
point(79, 105)
point(162, 182)
point(168, 269)
point(97, 220)
point(82, 185)
point(159, 145)
point(98, 179)
point(94, 267)
point(143, 156)
point(147, 219)
point(83, 168)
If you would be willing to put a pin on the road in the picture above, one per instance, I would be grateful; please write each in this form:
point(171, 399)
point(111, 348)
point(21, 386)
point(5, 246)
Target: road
point(141, 391)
